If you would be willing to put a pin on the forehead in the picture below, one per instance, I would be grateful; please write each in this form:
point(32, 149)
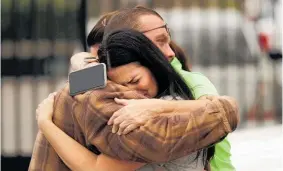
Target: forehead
point(148, 22)
point(123, 73)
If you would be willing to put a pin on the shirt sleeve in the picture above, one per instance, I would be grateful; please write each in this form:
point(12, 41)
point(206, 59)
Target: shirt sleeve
point(162, 138)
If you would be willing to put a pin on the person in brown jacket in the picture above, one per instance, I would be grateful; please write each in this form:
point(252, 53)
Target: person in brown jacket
point(91, 111)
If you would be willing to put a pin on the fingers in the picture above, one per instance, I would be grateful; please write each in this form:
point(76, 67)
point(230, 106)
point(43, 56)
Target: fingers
point(119, 119)
point(123, 124)
point(119, 112)
point(37, 112)
point(115, 129)
point(113, 117)
point(122, 127)
point(130, 128)
point(90, 64)
point(122, 101)
point(49, 99)
point(125, 127)
point(52, 96)
point(90, 60)
point(116, 121)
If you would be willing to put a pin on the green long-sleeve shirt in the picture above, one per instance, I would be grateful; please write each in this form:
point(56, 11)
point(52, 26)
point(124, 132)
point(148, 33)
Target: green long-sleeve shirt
point(201, 85)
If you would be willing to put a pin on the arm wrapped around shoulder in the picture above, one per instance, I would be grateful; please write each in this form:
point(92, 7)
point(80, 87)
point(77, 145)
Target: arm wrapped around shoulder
point(190, 125)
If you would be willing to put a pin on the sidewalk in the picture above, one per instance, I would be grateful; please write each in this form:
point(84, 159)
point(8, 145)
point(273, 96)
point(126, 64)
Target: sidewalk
point(257, 149)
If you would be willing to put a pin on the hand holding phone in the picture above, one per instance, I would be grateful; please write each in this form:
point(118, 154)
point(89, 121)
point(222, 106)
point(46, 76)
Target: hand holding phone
point(93, 77)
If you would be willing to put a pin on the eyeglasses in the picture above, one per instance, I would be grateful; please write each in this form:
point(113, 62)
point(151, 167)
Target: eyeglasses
point(163, 26)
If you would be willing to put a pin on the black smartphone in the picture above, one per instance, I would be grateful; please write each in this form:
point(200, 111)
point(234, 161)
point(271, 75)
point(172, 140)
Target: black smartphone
point(94, 77)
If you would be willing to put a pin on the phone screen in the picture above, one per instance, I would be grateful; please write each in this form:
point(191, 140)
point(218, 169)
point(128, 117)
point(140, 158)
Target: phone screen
point(86, 79)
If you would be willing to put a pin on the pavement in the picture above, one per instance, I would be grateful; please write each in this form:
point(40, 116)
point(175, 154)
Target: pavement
point(257, 149)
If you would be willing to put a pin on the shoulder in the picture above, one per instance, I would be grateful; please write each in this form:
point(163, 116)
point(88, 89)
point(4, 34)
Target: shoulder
point(199, 84)
point(199, 79)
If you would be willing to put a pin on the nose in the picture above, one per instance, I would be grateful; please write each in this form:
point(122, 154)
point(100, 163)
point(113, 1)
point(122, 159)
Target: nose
point(168, 52)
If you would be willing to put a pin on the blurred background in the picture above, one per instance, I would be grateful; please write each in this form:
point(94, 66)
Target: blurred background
point(237, 44)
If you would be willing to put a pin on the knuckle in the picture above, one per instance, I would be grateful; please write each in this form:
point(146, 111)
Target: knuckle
point(122, 125)
point(115, 114)
point(116, 122)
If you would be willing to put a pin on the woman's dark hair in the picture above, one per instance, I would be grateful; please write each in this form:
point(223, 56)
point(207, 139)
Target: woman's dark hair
point(125, 46)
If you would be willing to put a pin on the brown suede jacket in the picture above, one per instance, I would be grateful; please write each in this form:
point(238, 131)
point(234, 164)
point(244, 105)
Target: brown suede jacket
point(163, 138)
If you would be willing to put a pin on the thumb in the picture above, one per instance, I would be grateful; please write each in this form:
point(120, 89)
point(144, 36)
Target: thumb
point(122, 101)
point(52, 96)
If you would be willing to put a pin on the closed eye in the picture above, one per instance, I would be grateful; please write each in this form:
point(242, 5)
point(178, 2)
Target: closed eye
point(134, 81)
point(162, 38)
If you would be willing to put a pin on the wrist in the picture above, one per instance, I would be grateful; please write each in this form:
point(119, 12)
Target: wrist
point(42, 124)
point(164, 106)
point(183, 106)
